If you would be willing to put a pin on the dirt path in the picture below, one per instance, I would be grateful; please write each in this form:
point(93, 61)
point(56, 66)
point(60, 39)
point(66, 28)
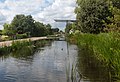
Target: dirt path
point(8, 43)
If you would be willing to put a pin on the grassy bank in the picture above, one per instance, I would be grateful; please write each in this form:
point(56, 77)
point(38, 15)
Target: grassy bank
point(105, 48)
point(18, 46)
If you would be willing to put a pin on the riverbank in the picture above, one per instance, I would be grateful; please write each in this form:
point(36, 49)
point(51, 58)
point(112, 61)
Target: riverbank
point(22, 44)
point(9, 43)
point(104, 48)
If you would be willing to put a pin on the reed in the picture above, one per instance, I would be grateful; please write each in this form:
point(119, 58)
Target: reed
point(20, 45)
point(17, 45)
point(105, 48)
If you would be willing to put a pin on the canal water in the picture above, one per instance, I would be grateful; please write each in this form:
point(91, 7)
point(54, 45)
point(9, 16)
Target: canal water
point(55, 62)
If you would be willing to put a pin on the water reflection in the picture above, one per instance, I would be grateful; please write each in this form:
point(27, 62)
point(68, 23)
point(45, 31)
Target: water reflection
point(57, 61)
point(26, 54)
point(52, 63)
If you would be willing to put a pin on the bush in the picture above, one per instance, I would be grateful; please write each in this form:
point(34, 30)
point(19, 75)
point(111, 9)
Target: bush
point(21, 36)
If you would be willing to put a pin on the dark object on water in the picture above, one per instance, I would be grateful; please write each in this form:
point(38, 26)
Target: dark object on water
point(62, 49)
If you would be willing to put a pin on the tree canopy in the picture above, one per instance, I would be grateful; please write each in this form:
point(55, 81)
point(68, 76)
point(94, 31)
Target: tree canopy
point(92, 15)
point(95, 16)
point(116, 3)
point(22, 24)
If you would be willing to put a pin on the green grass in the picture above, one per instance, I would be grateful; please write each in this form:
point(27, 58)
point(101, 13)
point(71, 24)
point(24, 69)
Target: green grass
point(105, 47)
point(16, 45)
point(22, 45)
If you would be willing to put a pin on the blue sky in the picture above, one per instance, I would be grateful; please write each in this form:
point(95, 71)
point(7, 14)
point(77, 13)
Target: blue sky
point(42, 10)
point(2, 0)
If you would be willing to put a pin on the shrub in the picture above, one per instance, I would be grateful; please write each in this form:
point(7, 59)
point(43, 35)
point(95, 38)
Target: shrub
point(21, 36)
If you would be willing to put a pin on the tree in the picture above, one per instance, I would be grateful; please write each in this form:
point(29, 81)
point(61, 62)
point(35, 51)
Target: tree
point(55, 30)
point(30, 25)
point(40, 29)
point(23, 24)
point(8, 30)
point(26, 25)
point(0, 32)
point(68, 28)
point(17, 23)
point(49, 30)
point(92, 15)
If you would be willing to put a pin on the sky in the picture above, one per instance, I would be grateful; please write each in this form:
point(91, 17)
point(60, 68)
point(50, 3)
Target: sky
point(41, 10)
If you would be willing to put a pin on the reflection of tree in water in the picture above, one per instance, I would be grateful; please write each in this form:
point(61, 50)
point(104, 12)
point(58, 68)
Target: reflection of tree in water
point(90, 68)
point(3, 57)
point(26, 53)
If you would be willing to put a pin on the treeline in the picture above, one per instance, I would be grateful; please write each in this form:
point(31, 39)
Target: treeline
point(95, 16)
point(25, 26)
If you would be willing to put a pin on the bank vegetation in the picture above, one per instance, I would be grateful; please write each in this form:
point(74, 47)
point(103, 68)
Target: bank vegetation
point(97, 28)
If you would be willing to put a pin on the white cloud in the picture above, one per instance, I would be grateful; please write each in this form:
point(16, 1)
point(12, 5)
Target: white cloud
point(24, 6)
point(60, 9)
point(42, 10)
point(2, 20)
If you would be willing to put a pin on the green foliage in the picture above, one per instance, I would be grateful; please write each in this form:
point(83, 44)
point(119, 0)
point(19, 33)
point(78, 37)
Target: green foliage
point(0, 32)
point(17, 45)
point(49, 29)
point(95, 16)
point(19, 36)
point(116, 3)
point(24, 53)
point(105, 47)
point(54, 30)
point(115, 25)
point(5, 50)
point(24, 48)
point(40, 29)
point(22, 24)
point(92, 15)
point(41, 43)
point(68, 28)
point(8, 30)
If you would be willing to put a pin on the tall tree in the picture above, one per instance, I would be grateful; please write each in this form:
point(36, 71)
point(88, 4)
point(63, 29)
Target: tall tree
point(40, 29)
point(17, 23)
point(22, 24)
point(8, 30)
point(92, 15)
point(49, 30)
point(68, 28)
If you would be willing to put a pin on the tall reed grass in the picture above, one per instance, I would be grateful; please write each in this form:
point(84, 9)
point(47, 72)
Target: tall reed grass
point(105, 48)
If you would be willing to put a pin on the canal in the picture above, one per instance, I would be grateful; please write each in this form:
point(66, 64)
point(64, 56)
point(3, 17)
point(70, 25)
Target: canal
point(55, 62)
